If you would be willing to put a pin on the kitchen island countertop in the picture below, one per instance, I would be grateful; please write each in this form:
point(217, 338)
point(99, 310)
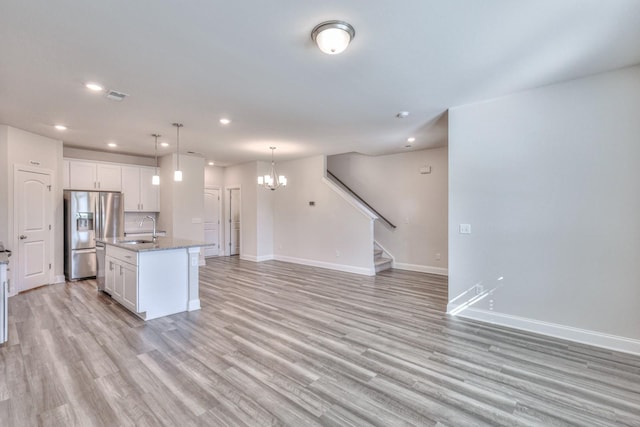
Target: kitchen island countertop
point(161, 243)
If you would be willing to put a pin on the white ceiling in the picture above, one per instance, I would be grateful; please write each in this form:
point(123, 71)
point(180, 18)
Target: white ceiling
point(195, 61)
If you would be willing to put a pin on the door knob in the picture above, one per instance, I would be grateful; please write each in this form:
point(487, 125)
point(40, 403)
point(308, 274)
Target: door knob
point(22, 237)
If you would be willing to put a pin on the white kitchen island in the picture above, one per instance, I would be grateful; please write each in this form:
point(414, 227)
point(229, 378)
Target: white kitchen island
point(153, 279)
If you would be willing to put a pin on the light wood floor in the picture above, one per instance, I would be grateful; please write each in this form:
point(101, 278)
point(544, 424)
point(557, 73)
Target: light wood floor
point(281, 344)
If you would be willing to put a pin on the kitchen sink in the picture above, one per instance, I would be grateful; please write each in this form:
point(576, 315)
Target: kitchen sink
point(134, 242)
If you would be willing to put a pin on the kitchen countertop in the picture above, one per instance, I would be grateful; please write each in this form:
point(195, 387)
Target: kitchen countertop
point(161, 244)
point(4, 257)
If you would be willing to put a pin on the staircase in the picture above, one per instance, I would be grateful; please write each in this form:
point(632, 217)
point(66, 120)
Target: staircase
point(380, 260)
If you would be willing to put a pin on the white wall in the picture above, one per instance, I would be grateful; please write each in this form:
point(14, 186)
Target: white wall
point(415, 203)
point(243, 176)
point(550, 183)
point(36, 152)
point(213, 176)
point(331, 234)
point(4, 186)
point(182, 203)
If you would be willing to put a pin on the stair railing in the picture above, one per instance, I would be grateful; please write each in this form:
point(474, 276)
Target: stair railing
point(360, 199)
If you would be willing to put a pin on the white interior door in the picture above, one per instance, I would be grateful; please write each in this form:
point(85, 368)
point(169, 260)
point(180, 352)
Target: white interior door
point(34, 217)
point(234, 221)
point(212, 222)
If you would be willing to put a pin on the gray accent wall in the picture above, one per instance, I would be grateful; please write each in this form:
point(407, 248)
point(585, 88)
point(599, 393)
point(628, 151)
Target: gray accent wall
point(549, 181)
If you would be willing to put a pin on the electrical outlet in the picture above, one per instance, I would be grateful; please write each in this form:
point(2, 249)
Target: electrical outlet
point(437, 257)
point(465, 228)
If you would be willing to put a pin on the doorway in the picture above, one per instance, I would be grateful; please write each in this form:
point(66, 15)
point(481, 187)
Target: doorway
point(32, 219)
point(212, 221)
point(234, 216)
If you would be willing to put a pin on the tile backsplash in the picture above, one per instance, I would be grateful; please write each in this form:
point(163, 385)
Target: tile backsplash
point(132, 222)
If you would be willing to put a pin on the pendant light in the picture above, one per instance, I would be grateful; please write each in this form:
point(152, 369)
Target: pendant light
point(333, 37)
point(177, 175)
point(272, 180)
point(155, 179)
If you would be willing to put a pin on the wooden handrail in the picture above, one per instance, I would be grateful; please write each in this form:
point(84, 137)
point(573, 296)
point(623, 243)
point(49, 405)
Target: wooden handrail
point(360, 199)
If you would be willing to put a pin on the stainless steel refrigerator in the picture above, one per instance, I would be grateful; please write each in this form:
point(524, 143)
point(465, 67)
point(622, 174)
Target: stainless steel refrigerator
point(89, 215)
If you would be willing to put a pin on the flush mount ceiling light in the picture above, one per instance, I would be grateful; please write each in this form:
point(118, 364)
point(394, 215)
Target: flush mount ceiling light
point(112, 144)
point(411, 139)
point(155, 179)
point(224, 121)
point(94, 87)
point(164, 144)
point(333, 37)
point(177, 175)
point(60, 127)
point(272, 180)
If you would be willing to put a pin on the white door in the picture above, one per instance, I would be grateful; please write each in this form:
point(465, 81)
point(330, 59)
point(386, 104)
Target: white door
point(234, 221)
point(34, 217)
point(212, 221)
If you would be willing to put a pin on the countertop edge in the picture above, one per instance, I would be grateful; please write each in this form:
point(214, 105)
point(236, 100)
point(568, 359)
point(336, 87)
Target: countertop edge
point(161, 244)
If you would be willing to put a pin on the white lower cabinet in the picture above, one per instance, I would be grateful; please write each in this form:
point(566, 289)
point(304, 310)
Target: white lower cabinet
point(121, 277)
point(151, 284)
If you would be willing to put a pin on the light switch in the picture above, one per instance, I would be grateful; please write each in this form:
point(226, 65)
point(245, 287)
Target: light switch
point(465, 228)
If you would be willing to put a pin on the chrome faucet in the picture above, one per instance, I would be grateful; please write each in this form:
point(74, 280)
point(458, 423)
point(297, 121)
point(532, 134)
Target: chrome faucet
point(154, 225)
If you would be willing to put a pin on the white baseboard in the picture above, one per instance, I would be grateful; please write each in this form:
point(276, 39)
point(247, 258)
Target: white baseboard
point(598, 339)
point(421, 268)
point(339, 267)
point(59, 279)
point(193, 305)
point(256, 258)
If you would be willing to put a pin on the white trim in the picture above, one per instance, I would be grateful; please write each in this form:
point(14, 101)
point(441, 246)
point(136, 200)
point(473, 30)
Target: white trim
point(254, 258)
point(421, 268)
point(227, 202)
point(220, 218)
point(350, 199)
point(193, 305)
point(59, 279)
point(599, 339)
point(339, 267)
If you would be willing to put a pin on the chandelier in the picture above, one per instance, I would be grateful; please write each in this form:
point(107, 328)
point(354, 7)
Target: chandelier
point(272, 180)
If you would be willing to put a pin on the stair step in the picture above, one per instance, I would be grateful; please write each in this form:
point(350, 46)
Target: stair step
point(382, 264)
point(377, 253)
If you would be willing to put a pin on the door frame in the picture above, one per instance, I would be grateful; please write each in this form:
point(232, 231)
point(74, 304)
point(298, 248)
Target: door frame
point(227, 232)
point(15, 223)
point(220, 218)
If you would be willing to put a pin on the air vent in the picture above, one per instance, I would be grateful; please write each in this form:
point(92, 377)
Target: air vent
point(116, 96)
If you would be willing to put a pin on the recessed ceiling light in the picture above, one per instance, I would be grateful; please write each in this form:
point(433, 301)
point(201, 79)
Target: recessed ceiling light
point(164, 144)
point(60, 127)
point(112, 144)
point(411, 139)
point(94, 87)
point(224, 121)
point(402, 114)
point(210, 163)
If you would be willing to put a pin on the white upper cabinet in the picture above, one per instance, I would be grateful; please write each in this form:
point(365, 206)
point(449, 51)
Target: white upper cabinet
point(109, 177)
point(149, 193)
point(85, 175)
point(139, 194)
